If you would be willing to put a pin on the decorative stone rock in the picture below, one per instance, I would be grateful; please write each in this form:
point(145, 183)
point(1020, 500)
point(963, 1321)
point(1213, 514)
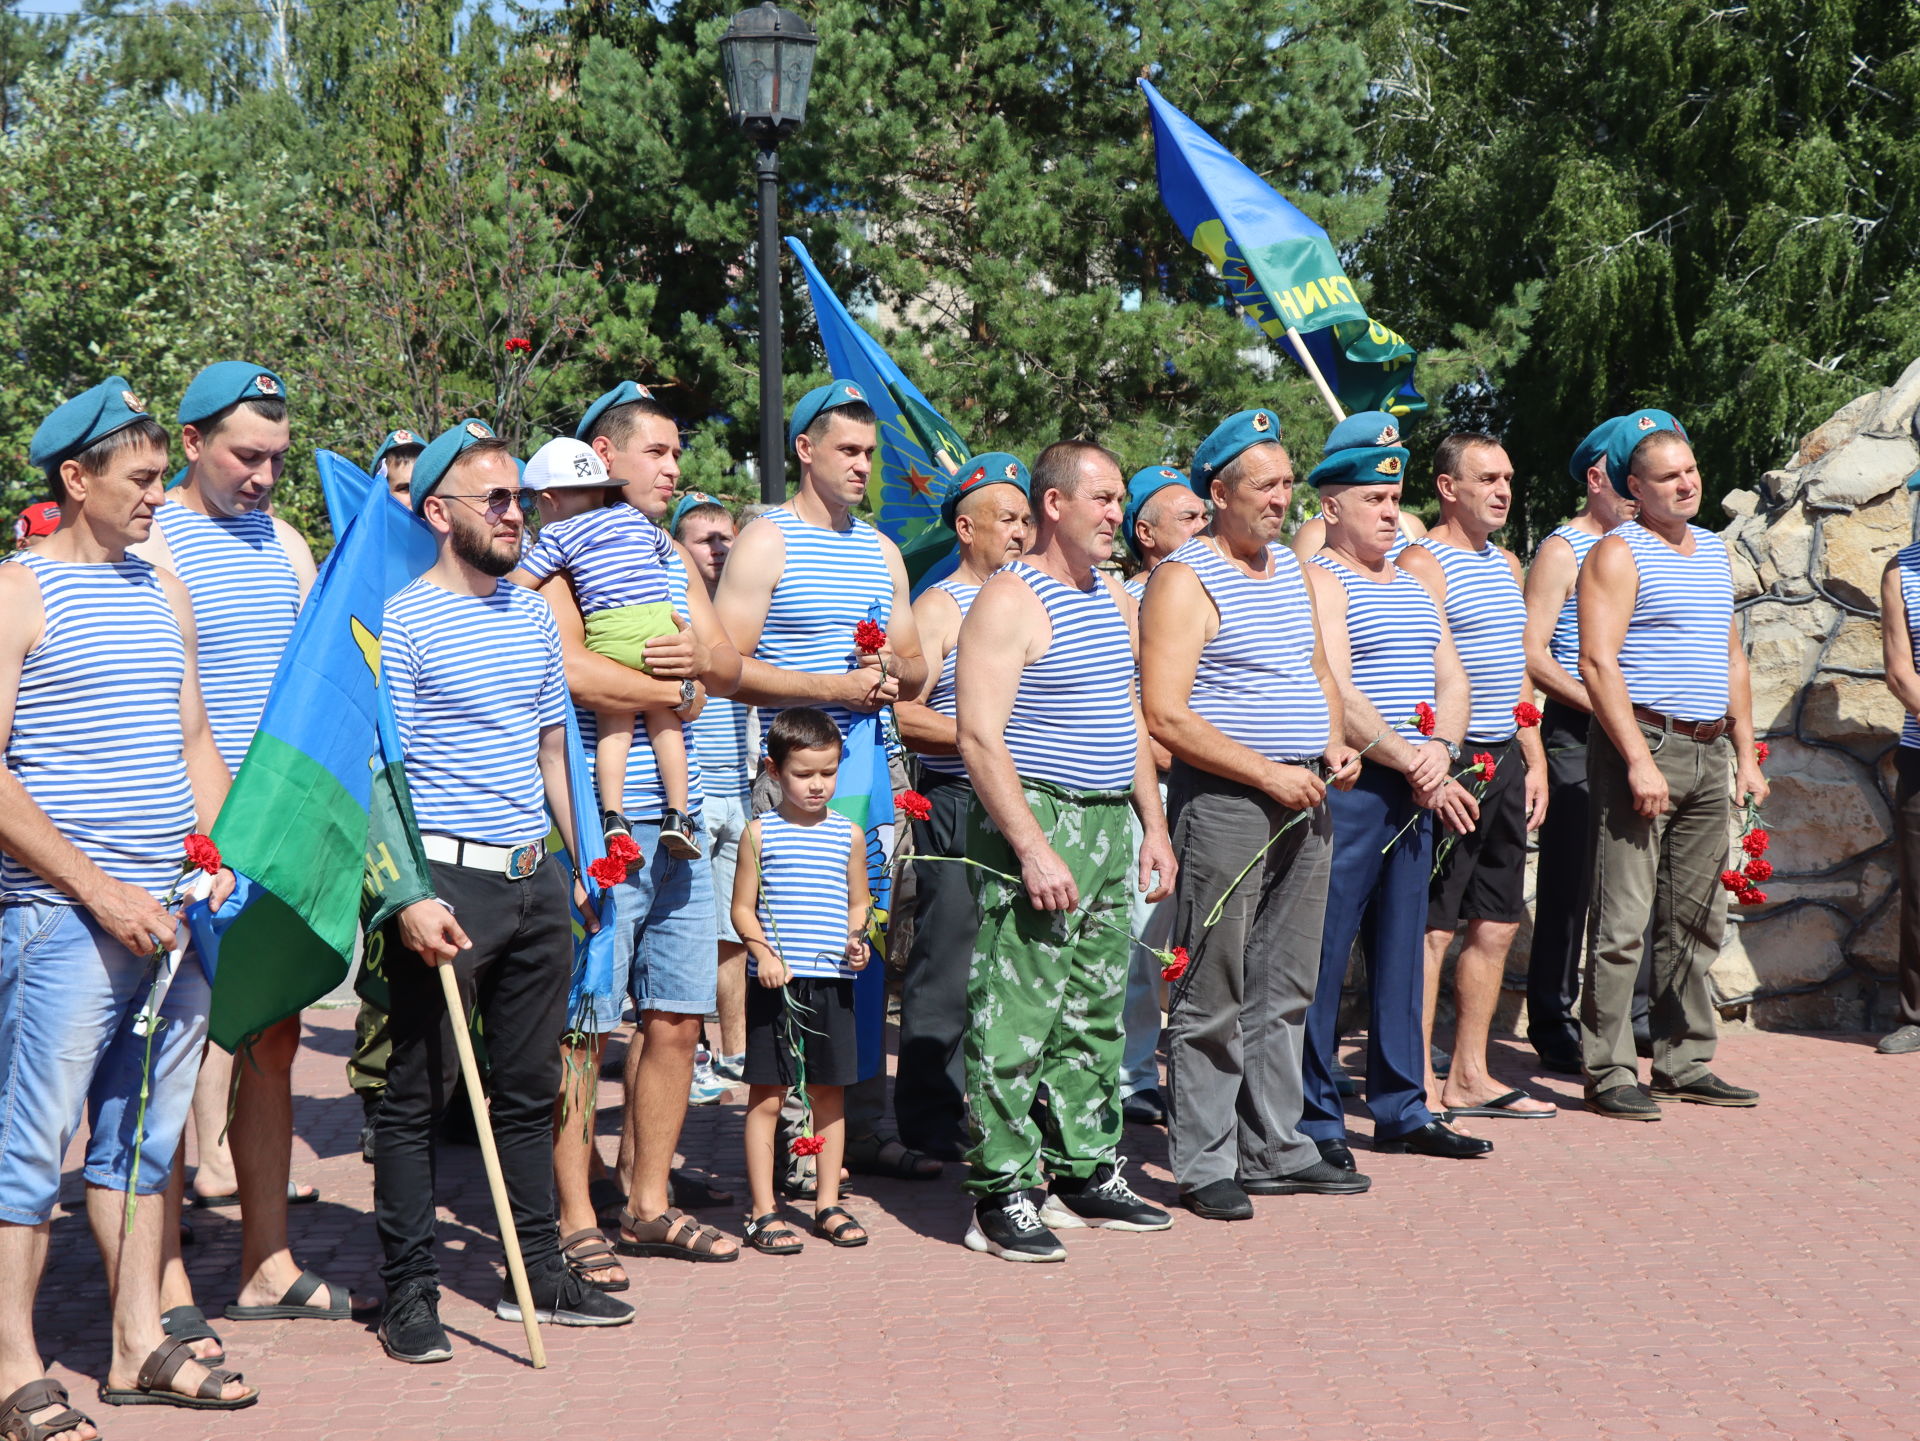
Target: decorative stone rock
point(1835, 432)
point(1856, 548)
point(1896, 406)
point(1824, 805)
point(1739, 503)
point(1855, 646)
point(1783, 645)
point(1854, 712)
point(1862, 470)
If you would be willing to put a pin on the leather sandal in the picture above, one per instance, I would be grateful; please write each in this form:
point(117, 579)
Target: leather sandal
point(297, 1303)
point(37, 1396)
point(671, 1233)
point(189, 1324)
point(586, 1254)
point(154, 1386)
point(836, 1234)
point(772, 1236)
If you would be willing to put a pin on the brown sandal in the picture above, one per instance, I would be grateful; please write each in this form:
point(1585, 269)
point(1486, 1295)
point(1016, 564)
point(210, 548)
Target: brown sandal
point(671, 1233)
point(586, 1253)
point(154, 1385)
point(37, 1396)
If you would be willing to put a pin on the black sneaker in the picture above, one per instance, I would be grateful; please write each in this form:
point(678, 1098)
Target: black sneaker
point(615, 824)
point(1009, 1227)
point(561, 1298)
point(1624, 1103)
point(1104, 1202)
point(1322, 1178)
point(676, 835)
point(1709, 1090)
point(1221, 1200)
point(1144, 1108)
point(411, 1330)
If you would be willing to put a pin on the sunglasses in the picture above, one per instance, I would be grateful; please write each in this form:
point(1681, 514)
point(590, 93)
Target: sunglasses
point(498, 500)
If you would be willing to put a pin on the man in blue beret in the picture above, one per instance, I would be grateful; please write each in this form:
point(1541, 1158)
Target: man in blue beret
point(1404, 703)
point(1666, 673)
point(1553, 664)
point(1162, 515)
point(988, 509)
point(110, 765)
point(393, 461)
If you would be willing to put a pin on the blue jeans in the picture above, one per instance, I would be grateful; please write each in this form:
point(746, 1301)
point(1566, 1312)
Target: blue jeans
point(663, 954)
point(68, 995)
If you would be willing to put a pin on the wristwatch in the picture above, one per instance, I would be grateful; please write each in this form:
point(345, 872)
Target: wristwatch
point(689, 689)
point(1453, 751)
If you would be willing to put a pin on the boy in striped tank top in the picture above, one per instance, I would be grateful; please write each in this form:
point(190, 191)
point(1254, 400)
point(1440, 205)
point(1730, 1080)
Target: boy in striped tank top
point(1564, 878)
point(991, 515)
point(800, 902)
point(110, 764)
point(1482, 879)
point(1661, 657)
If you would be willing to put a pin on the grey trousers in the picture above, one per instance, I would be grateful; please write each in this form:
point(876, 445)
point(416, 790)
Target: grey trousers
point(1236, 1021)
point(1666, 872)
point(1140, 1018)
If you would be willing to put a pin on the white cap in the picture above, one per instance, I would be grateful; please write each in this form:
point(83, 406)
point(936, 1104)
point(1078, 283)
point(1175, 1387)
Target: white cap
point(566, 464)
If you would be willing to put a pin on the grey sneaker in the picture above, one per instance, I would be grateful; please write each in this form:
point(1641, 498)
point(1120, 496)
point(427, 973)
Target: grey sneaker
point(1903, 1042)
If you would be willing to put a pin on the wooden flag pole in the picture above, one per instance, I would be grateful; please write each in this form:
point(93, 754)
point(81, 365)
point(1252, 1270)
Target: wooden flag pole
point(503, 1212)
point(1306, 359)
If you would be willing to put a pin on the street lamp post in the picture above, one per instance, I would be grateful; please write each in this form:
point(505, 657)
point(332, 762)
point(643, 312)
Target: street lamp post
point(767, 54)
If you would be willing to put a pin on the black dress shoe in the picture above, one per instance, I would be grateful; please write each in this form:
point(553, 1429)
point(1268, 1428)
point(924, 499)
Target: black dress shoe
point(1624, 1103)
point(1709, 1090)
point(1337, 1153)
point(1221, 1200)
point(1435, 1139)
point(1144, 1108)
point(1322, 1178)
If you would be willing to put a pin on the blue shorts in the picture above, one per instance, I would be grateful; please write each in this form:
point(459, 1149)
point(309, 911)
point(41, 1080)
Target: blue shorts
point(664, 957)
point(68, 996)
point(723, 821)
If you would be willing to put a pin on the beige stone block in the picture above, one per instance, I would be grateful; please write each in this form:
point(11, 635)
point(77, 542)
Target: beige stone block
point(1852, 711)
point(1789, 547)
point(1746, 580)
point(1893, 412)
point(1862, 470)
point(1780, 486)
point(1783, 644)
point(1855, 548)
point(1855, 645)
point(1835, 432)
point(1781, 948)
point(1739, 503)
point(1824, 809)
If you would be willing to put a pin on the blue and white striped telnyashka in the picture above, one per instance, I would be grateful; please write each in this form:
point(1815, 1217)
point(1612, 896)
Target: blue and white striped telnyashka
point(803, 894)
point(1072, 721)
point(940, 698)
point(1674, 656)
point(1909, 562)
point(1393, 635)
point(1564, 645)
point(830, 581)
point(615, 556)
point(1487, 617)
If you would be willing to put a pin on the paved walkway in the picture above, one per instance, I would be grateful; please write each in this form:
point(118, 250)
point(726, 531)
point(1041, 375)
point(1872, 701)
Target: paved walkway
point(1722, 1274)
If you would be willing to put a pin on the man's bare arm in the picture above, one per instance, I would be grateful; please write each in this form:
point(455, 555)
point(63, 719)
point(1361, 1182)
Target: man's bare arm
point(924, 730)
point(1547, 587)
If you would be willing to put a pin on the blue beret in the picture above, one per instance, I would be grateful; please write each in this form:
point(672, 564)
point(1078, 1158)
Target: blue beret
point(1242, 429)
point(90, 416)
point(1148, 483)
point(827, 397)
point(447, 447)
point(396, 440)
point(1592, 451)
point(687, 502)
point(990, 467)
point(1627, 433)
point(1363, 449)
point(625, 393)
point(228, 382)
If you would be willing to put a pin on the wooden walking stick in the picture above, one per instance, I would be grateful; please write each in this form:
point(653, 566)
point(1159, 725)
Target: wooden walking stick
point(509, 1237)
point(1306, 359)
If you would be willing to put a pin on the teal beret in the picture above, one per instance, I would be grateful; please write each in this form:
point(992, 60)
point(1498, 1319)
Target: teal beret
point(1148, 483)
point(1238, 432)
point(1592, 451)
point(990, 467)
point(179, 478)
point(1627, 433)
point(228, 382)
point(687, 502)
point(447, 447)
point(827, 397)
point(396, 440)
point(90, 416)
point(625, 393)
point(1363, 449)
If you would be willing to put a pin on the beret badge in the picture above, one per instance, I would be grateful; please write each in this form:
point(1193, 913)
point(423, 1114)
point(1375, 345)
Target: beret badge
point(478, 431)
point(1262, 422)
point(266, 385)
point(1389, 466)
point(132, 401)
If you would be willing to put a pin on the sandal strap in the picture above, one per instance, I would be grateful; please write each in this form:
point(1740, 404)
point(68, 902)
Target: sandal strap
point(163, 1363)
point(820, 1216)
point(187, 1323)
point(303, 1289)
point(691, 1235)
point(588, 1250)
point(37, 1396)
point(216, 1382)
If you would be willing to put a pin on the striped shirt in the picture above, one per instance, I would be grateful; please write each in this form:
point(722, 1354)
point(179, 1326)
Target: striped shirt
point(1487, 617)
point(1401, 540)
point(645, 797)
point(1393, 634)
point(1564, 646)
point(1136, 586)
point(719, 735)
point(1072, 721)
point(1674, 656)
point(830, 581)
point(803, 904)
point(1255, 682)
point(614, 555)
point(474, 680)
point(246, 597)
point(940, 698)
point(1909, 563)
point(96, 738)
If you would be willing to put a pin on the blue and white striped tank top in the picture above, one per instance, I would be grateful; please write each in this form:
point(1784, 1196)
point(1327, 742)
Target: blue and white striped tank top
point(830, 581)
point(246, 598)
point(645, 797)
point(474, 679)
point(615, 556)
point(1136, 586)
point(1674, 657)
point(803, 894)
point(940, 698)
point(1909, 562)
point(1255, 680)
point(1401, 540)
point(1488, 619)
point(1072, 721)
point(1393, 633)
point(96, 724)
point(719, 736)
point(1564, 645)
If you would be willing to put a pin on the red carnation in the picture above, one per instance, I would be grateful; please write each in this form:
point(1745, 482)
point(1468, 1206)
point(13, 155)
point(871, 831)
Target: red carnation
point(607, 871)
point(869, 637)
point(1751, 897)
point(808, 1145)
point(1526, 714)
point(622, 848)
point(1759, 870)
point(1483, 760)
point(1173, 963)
point(916, 806)
point(1424, 718)
point(1733, 881)
point(518, 345)
point(1755, 842)
point(202, 853)
point(1761, 750)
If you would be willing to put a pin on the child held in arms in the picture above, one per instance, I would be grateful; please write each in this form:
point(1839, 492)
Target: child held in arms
point(800, 904)
point(616, 559)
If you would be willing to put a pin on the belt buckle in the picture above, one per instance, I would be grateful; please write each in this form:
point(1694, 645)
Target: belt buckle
point(523, 861)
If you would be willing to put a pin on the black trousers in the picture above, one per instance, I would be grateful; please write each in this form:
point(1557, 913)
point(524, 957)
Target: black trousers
point(516, 975)
point(929, 1088)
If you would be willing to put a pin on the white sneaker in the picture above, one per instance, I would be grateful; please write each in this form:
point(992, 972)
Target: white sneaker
point(707, 1088)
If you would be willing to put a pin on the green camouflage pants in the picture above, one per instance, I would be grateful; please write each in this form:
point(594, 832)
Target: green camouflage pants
point(1044, 996)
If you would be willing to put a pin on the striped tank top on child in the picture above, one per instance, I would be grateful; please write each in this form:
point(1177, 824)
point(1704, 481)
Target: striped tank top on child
point(1072, 721)
point(246, 598)
point(1487, 617)
point(615, 557)
point(1909, 563)
point(1255, 680)
point(1393, 633)
point(1565, 643)
point(803, 894)
point(1674, 656)
point(940, 698)
point(829, 582)
point(96, 733)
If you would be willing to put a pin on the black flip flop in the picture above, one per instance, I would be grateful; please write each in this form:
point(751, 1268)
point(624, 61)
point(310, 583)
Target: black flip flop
point(189, 1323)
point(295, 1197)
point(1501, 1108)
point(294, 1305)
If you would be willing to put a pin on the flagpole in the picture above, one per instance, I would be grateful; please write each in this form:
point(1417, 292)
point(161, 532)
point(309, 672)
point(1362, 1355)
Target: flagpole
point(509, 1238)
point(1306, 359)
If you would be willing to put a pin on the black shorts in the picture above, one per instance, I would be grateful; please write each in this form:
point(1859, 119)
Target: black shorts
point(823, 1011)
point(1483, 877)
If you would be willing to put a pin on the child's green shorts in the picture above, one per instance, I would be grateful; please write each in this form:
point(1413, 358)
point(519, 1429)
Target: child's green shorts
point(622, 633)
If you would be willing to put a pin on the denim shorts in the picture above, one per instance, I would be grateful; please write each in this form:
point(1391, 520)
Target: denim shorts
point(664, 957)
point(68, 996)
point(723, 820)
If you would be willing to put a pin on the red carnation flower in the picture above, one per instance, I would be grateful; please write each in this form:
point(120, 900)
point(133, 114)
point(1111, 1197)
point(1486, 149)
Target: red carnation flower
point(1173, 964)
point(1425, 719)
point(808, 1145)
point(915, 806)
point(202, 853)
point(622, 848)
point(1751, 897)
point(1761, 750)
point(1755, 842)
point(1759, 870)
point(607, 871)
point(1733, 881)
point(518, 345)
point(869, 637)
point(1526, 714)
point(1483, 760)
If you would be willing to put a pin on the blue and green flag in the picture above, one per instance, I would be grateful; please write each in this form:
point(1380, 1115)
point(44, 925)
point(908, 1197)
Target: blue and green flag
point(1281, 269)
